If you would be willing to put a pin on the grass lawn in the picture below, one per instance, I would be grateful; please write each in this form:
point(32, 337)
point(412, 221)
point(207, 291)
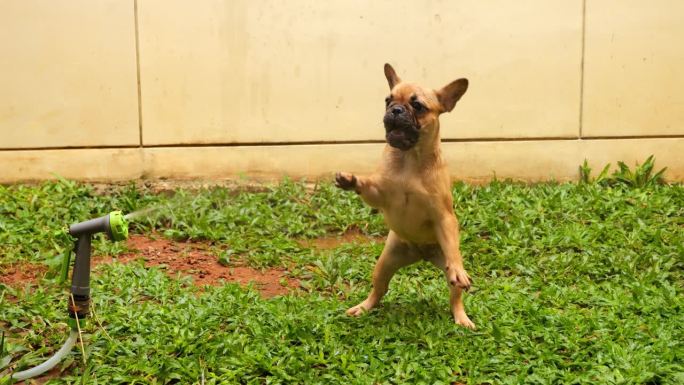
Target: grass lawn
point(573, 284)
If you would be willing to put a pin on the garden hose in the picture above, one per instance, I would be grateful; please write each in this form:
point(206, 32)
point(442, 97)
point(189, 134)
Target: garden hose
point(115, 226)
point(50, 362)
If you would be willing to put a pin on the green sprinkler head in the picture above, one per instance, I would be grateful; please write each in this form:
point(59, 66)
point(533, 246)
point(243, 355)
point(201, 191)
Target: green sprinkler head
point(114, 224)
point(118, 226)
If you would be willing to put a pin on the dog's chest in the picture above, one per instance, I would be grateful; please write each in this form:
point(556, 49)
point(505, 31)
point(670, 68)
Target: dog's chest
point(409, 211)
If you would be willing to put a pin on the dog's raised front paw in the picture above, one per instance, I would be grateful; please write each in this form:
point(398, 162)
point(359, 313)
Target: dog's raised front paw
point(345, 181)
point(458, 277)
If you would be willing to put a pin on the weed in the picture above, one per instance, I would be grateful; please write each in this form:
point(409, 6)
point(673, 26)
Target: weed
point(642, 176)
point(585, 174)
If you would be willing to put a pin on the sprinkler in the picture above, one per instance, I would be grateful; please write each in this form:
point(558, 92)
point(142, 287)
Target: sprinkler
point(115, 226)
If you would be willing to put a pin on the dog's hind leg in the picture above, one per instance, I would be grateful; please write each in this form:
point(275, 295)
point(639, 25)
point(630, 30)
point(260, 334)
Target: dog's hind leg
point(436, 257)
point(395, 255)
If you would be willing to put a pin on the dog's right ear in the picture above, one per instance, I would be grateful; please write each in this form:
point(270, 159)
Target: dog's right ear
point(391, 76)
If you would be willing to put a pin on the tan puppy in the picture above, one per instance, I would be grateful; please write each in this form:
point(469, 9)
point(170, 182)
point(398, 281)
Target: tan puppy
point(412, 189)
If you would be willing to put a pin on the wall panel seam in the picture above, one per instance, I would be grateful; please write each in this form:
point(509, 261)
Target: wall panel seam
point(137, 68)
point(581, 90)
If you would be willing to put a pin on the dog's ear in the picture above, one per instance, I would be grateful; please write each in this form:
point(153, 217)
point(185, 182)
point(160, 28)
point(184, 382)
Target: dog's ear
point(391, 76)
point(451, 93)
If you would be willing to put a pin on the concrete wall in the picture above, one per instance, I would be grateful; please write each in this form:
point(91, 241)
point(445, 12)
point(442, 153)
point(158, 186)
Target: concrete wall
point(116, 90)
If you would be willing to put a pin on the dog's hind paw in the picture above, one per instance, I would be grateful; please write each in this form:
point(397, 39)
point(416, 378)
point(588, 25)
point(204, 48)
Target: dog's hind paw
point(463, 320)
point(356, 310)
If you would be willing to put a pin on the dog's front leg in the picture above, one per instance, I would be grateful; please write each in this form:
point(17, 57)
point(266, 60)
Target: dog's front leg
point(451, 262)
point(449, 240)
point(367, 187)
point(455, 292)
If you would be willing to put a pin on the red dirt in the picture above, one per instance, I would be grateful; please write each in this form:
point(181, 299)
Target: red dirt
point(194, 259)
point(187, 258)
point(51, 375)
point(21, 273)
point(352, 235)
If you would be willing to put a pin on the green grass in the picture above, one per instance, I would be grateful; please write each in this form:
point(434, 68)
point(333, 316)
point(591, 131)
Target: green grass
point(574, 284)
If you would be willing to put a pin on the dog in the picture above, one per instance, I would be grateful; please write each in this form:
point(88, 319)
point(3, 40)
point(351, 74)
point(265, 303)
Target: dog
point(412, 189)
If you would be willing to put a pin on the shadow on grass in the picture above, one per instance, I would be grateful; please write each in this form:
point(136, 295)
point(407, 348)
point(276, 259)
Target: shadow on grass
point(416, 312)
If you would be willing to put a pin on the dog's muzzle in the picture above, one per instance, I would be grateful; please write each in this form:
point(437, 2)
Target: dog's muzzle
point(401, 130)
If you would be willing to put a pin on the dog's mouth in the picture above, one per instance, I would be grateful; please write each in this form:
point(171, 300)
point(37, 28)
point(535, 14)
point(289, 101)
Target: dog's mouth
point(401, 139)
point(400, 134)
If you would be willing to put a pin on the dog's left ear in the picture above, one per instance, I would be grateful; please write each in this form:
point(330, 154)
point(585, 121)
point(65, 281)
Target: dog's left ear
point(451, 93)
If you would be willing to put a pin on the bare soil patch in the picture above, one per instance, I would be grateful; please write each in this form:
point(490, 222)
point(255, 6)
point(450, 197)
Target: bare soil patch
point(195, 260)
point(187, 258)
point(50, 375)
point(352, 235)
point(21, 273)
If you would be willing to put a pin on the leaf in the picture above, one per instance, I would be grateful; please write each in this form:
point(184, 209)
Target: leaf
point(85, 377)
point(224, 257)
point(5, 360)
point(603, 175)
point(585, 172)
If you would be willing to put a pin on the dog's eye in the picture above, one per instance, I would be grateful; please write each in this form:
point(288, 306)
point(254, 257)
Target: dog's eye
point(417, 106)
point(387, 101)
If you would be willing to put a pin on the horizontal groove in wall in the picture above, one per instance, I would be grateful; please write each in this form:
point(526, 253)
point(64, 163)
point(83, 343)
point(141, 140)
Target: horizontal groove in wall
point(69, 148)
point(599, 137)
point(306, 143)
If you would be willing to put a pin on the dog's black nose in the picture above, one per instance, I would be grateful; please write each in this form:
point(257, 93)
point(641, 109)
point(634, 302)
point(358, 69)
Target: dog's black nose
point(396, 110)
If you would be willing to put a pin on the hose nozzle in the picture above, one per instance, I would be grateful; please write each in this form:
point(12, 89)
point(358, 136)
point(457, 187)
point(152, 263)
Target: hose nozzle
point(116, 227)
point(114, 224)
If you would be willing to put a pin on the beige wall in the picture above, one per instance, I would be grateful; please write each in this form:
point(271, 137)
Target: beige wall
point(634, 68)
point(67, 74)
point(113, 90)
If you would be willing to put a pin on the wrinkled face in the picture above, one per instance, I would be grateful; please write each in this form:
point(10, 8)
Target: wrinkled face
point(410, 112)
